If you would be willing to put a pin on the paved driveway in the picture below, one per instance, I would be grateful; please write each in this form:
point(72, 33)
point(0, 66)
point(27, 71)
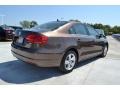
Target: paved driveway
point(94, 71)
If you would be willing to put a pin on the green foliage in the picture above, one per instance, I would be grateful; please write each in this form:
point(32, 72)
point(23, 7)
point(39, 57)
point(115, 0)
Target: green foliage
point(28, 24)
point(107, 29)
point(25, 24)
point(33, 24)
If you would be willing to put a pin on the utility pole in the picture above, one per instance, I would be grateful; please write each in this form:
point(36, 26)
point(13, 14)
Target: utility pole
point(2, 19)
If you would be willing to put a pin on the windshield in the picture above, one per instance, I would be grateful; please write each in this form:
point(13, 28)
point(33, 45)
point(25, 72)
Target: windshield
point(48, 26)
point(100, 31)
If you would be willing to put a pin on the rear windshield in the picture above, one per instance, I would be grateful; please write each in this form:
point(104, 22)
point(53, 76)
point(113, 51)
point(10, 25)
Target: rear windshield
point(48, 26)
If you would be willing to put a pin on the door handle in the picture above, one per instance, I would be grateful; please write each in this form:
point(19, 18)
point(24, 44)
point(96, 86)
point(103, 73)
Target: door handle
point(78, 39)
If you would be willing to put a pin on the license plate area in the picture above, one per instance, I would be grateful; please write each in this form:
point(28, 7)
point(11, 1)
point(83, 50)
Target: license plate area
point(19, 40)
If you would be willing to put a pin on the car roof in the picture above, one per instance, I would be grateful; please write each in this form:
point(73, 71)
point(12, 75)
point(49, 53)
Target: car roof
point(65, 22)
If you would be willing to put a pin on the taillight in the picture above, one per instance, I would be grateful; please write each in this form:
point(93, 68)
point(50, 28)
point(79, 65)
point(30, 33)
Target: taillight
point(37, 39)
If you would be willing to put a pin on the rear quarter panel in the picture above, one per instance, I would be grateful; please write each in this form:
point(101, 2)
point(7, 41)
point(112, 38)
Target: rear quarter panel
point(58, 44)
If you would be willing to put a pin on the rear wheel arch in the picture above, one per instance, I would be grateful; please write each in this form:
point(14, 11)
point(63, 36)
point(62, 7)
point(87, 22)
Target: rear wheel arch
point(69, 51)
point(73, 49)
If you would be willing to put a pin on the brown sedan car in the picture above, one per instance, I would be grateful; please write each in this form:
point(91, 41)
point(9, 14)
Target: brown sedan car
point(58, 43)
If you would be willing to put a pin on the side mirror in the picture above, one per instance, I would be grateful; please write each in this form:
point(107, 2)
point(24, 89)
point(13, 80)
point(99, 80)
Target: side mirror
point(100, 36)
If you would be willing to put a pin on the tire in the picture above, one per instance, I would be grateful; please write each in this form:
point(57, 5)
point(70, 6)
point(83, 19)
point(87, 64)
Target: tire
point(68, 62)
point(104, 51)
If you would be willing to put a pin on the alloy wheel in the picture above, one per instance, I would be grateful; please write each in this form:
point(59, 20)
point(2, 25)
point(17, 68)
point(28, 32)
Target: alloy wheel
point(70, 61)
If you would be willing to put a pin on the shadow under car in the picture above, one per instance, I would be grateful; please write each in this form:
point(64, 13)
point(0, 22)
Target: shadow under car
point(19, 72)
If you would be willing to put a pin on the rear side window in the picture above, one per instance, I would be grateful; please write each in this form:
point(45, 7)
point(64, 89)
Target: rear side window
point(92, 31)
point(72, 31)
point(80, 29)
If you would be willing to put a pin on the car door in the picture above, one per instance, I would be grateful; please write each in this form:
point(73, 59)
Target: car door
point(84, 41)
point(97, 44)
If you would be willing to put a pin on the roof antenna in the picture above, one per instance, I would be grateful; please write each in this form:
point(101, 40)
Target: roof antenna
point(58, 20)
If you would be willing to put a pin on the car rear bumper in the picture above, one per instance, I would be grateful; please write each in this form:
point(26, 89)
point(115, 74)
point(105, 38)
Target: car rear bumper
point(42, 60)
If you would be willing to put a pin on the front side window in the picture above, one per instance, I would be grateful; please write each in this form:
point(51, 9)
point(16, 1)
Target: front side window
point(72, 31)
point(80, 29)
point(92, 31)
point(100, 31)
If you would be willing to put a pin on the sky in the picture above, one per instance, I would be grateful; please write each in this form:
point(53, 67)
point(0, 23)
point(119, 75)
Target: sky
point(12, 15)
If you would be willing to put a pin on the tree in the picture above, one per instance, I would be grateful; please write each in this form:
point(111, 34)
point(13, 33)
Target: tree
point(25, 24)
point(107, 29)
point(28, 24)
point(98, 26)
point(33, 24)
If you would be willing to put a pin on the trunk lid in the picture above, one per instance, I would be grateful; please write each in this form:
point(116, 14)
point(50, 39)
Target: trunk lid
point(20, 38)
